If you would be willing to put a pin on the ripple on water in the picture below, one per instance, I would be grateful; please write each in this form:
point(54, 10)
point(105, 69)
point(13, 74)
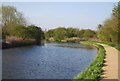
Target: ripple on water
point(52, 61)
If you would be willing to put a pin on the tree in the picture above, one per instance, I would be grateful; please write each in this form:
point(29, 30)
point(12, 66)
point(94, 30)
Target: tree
point(89, 34)
point(10, 18)
point(49, 33)
point(20, 31)
point(14, 24)
point(81, 32)
point(60, 33)
point(35, 33)
point(72, 32)
point(110, 29)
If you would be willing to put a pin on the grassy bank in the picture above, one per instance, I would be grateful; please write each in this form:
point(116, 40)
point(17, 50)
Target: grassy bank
point(112, 45)
point(94, 71)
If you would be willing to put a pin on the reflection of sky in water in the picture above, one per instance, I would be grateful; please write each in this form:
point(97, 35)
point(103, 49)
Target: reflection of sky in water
point(46, 62)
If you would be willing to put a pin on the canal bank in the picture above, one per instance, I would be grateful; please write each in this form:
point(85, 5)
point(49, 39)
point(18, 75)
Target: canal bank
point(15, 44)
point(93, 72)
point(110, 63)
point(23, 43)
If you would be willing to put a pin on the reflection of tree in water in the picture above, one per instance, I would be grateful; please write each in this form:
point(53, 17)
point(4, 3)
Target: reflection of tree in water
point(86, 47)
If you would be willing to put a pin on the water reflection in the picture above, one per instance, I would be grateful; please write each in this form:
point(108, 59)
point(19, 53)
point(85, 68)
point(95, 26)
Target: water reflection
point(46, 62)
point(71, 45)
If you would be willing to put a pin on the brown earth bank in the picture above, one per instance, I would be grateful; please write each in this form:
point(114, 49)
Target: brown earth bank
point(16, 44)
point(12, 41)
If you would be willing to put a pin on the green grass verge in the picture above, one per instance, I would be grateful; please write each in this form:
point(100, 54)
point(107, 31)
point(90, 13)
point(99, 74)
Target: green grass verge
point(112, 45)
point(93, 72)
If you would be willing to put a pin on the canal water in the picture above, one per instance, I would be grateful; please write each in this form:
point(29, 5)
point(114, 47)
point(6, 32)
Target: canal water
point(50, 61)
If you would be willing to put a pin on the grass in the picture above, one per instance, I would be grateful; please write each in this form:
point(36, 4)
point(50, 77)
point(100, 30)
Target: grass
point(93, 72)
point(112, 45)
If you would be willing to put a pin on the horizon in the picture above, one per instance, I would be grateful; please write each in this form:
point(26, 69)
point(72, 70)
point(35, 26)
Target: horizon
point(50, 15)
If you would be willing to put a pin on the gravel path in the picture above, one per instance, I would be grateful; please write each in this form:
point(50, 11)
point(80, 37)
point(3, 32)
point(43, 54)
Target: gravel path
point(111, 63)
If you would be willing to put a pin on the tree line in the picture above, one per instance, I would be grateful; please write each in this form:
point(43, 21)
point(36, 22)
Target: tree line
point(62, 33)
point(110, 30)
point(15, 24)
point(107, 32)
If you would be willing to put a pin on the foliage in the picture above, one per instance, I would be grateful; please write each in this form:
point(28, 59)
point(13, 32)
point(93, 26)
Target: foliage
point(111, 44)
point(81, 32)
point(61, 33)
point(35, 33)
point(20, 31)
point(87, 33)
point(49, 34)
point(14, 24)
point(10, 18)
point(109, 31)
point(30, 32)
point(72, 32)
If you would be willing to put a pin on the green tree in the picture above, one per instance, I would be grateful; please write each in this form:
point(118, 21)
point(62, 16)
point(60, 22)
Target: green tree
point(20, 31)
point(109, 32)
point(60, 33)
point(72, 32)
point(49, 33)
point(35, 33)
point(10, 18)
point(81, 32)
point(89, 34)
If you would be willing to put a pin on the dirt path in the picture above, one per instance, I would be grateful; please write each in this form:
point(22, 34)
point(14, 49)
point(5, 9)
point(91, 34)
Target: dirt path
point(111, 63)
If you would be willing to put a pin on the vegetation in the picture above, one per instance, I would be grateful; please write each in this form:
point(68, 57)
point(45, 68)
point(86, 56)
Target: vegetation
point(14, 24)
point(94, 71)
point(62, 33)
point(59, 33)
point(19, 31)
point(72, 32)
point(112, 45)
point(35, 33)
point(87, 33)
point(109, 31)
point(10, 18)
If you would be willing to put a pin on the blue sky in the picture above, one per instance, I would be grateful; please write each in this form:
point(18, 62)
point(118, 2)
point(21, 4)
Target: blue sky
point(49, 15)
